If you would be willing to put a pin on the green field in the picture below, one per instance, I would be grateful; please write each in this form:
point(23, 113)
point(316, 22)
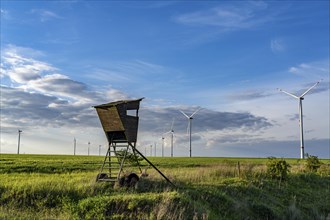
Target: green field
point(64, 187)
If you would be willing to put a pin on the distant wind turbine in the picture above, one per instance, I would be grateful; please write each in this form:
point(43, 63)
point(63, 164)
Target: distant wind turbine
point(19, 140)
point(300, 98)
point(190, 118)
point(74, 146)
point(163, 146)
point(171, 131)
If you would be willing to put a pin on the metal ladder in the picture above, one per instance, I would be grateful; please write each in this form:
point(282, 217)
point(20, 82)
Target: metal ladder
point(115, 163)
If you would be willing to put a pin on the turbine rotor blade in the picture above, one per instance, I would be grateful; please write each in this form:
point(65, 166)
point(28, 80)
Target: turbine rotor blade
point(172, 124)
point(184, 114)
point(294, 96)
point(195, 112)
point(310, 89)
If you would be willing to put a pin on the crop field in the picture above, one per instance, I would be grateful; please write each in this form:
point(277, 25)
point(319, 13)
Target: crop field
point(64, 187)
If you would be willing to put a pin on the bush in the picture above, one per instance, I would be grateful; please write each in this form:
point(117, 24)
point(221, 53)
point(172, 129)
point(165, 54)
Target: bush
point(312, 163)
point(130, 157)
point(277, 168)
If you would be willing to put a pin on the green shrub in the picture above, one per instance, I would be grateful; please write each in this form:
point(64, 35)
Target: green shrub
point(130, 157)
point(277, 168)
point(312, 163)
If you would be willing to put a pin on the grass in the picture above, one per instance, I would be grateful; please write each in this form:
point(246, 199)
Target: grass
point(64, 187)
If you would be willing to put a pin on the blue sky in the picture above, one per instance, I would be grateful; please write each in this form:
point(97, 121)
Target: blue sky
point(59, 58)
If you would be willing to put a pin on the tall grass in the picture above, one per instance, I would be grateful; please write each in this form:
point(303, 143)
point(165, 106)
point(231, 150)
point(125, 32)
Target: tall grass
point(64, 187)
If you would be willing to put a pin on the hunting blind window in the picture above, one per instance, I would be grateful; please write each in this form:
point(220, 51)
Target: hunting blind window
point(132, 112)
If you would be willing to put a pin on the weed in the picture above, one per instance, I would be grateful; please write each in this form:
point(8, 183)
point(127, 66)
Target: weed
point(278, 169)
point(312, 163)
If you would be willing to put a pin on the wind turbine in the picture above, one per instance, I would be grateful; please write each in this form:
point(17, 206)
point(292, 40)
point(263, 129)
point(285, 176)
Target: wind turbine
point(300, 98)
point(155, 148)
point(172, 134)
point(163, 146)
point(19, 140)
point(190, 118)
point(74, 145)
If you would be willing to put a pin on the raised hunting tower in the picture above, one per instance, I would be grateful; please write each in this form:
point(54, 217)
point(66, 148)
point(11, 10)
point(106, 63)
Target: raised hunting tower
point(120, 121)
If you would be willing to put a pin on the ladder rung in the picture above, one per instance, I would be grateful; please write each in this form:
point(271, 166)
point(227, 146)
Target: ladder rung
point(116, 155)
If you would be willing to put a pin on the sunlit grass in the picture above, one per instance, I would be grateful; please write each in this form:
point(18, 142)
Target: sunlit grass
point(64, 187)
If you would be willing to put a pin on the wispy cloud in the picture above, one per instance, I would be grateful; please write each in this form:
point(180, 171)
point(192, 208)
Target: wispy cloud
point(4, 13)
point(146, 76)
point(313, 72)
point(319, 69)
point(45, 15)
point(127, 71)
point(224, 18)
point(227, 17)
point(138, 67)
point(248, 95)
point(277, 45)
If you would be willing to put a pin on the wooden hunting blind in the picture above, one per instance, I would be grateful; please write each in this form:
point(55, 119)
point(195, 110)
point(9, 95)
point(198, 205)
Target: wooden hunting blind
point(120, 122)
point(117, 121)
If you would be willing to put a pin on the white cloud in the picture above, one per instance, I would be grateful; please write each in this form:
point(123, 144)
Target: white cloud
point(33, 75)
point(19, 68)
point(42, 97)
point(277, 45)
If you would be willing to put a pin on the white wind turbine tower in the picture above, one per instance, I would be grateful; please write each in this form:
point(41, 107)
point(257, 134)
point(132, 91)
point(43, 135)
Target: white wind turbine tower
point(19, 140)
point(300, 98)
point(163, 146)
point(190, 118)
point(172, 134)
